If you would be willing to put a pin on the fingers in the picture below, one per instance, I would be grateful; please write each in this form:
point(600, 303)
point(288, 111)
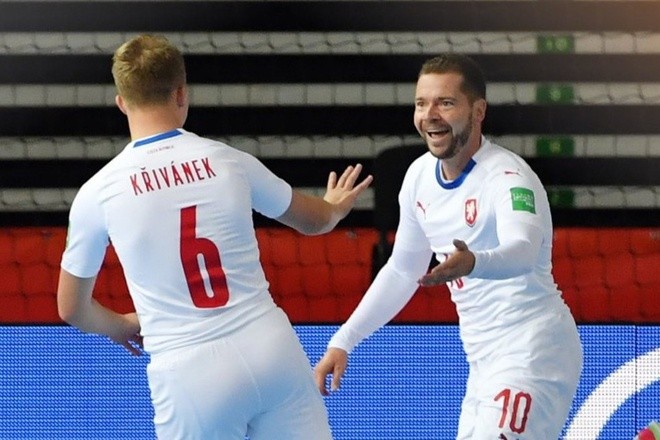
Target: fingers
point(337, 374)
point(132, 349)
point(364, 184)
point(137, 338)
point(460, 245)
point(332, 180)
point(459, 264)
point(134, 345)
point(429, 280)
point(319, 377)
point(349, 177)
point(334, 361)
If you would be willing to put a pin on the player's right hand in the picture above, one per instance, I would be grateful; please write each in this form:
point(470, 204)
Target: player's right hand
point(334, 361)
point(127, 334)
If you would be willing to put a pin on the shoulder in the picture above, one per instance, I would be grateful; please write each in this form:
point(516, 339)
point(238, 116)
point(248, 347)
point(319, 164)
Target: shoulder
point(500, 164)
point(218, 151)
point(424, 163)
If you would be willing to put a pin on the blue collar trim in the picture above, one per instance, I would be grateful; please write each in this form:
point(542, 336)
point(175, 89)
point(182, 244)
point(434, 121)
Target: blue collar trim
point(158, 137)
point(457, 182)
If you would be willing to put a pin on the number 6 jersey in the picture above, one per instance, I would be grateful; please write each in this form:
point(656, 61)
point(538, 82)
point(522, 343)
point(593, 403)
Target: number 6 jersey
point(178, 210)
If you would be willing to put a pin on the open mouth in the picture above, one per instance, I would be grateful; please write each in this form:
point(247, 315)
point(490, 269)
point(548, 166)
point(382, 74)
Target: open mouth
point(437, 132)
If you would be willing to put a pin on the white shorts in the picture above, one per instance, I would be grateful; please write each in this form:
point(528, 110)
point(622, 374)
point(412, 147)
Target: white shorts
point(257, 381)
point(524, 390)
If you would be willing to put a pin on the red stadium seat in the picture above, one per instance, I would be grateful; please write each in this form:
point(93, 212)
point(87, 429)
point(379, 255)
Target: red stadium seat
point(342, 247)
point(589, 271)
point(619, 270)
point(37, 279)
point(42, 308)
point(625, 303)
point(605, 274)
point(613, 241)
point(6, 248)
point(650, 304)
point(316, 281)
point(55, 247)
point(312, 250)
point(11, 280)
point(647, 269)
point(418, 308)
point(582, 242)
point(595, 304)
point(14, 310)
point(560, 243)
point(29, 245)
point(349, 280)
point(645, 241)
point(284, 248)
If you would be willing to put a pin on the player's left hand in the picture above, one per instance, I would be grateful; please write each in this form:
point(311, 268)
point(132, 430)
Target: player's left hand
point(459, 264)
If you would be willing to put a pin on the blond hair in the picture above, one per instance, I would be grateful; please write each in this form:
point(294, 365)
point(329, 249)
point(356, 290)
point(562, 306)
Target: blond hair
point(147, 69)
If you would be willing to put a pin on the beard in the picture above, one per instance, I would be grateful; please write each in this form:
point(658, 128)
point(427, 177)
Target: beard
point(458, 141)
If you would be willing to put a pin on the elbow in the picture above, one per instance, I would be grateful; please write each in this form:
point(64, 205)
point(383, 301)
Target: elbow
point(317, 229)
point(521, 271)
point(69, 311)
point(74, 298)
point(320, 224)
point(67, 314)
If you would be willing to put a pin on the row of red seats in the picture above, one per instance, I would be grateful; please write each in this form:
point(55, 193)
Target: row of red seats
point(607, 275)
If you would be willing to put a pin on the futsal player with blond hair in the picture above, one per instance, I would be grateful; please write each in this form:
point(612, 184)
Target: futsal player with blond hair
point(224, 360)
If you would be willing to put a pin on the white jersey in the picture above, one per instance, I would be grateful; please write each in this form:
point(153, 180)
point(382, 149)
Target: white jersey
point(178, 210)
point(499, 208)
point(495, 197)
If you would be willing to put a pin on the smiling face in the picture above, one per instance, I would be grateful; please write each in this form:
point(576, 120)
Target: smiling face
point(445, 116)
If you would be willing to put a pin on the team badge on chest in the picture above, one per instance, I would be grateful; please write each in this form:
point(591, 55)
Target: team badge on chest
point(470, 212)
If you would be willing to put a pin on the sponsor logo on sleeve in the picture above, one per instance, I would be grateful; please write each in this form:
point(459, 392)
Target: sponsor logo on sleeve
point(522, 199)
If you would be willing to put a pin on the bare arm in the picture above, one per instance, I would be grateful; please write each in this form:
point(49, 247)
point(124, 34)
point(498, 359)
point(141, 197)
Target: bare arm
point(77, 307)
point(311, 215)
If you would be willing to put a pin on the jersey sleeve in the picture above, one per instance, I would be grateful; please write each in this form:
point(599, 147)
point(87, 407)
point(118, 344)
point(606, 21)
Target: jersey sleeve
point(520, 205)
point(390, 291)
point(87, 236)
point(271, 195)
point(396, 282)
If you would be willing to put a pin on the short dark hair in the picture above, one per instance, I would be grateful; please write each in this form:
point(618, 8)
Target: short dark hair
point(474, 80)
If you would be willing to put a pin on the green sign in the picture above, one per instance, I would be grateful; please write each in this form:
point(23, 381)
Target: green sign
point(555, 94)
point(555, 146)
point(555, 44)
point(561, 198)
point(522, 199)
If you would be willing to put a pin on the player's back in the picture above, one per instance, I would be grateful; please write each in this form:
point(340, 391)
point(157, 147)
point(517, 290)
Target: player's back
point(178, 210)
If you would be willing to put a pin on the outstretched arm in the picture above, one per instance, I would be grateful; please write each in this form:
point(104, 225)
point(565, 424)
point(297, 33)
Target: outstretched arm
point(312, 215)
point(515, 256)
point(390, 291)
point(77, 307)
